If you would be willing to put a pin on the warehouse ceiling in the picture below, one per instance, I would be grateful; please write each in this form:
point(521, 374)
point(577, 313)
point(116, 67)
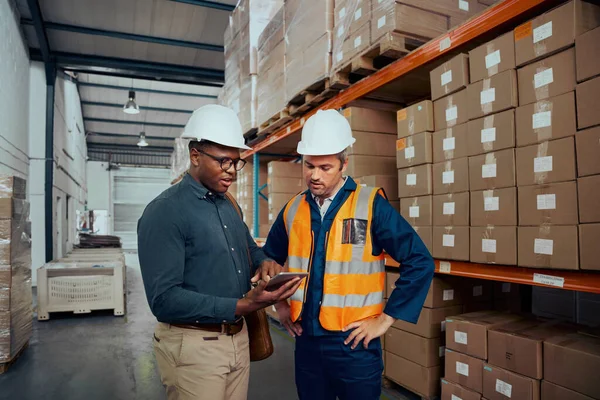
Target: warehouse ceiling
point(170, 52)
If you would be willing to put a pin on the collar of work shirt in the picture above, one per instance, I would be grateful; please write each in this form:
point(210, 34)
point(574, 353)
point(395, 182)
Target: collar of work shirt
point(324, 203)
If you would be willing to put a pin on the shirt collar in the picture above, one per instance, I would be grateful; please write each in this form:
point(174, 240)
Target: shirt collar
point(196, 187)
point(349, 185)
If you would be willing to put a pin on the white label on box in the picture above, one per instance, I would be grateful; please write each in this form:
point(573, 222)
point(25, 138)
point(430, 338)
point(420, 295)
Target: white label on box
point(448, 294)
point(491, 204)
point(445, 267)
point(452, 113)
point(503, 388)
point(339, 56)
point(340, 31)
point(462, 368)
point(546, 202)
point(488, 135)
point(549, 280)
point(270, 169)
point(357, 41)
point(460, 337)
point(270, 216)
point(409, 152)
point(488, 246)
point(445, 43)
point(447, 177)
point(342, 13)
point(358, 14)
point(477, 291)
point(492, 59)
point(542, 119)
point(542, 32)
point(446, 77)
point(543, 78)
point(506, 287)
point(449, 144)
point(463, 5)
point(542, 164)
point(448, 241)
point(455, 397)
point(443, 326)
point(411, 179)
point(543, 246)
point(448, 208)
point(381, 22)
point(413, 212)
point(488, 171)
point(488, 96)
point(443, 352)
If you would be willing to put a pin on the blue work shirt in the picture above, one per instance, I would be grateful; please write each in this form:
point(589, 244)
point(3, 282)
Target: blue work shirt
point(390, 233)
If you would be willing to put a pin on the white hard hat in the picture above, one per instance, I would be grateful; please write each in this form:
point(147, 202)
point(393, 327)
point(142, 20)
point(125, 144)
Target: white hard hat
point(327, 132)
point(217, 124)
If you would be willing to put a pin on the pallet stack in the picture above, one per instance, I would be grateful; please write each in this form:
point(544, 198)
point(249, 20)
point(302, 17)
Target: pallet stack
point(245, 198)
point(285, 181)
point(16, 313)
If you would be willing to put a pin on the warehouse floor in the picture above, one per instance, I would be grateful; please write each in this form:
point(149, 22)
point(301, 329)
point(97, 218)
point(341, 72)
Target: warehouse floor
point(100, 356)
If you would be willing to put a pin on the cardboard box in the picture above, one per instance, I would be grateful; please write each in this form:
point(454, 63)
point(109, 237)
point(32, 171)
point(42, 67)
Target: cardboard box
point(552, 204)
point(417, 210)
point(368, 120)
point(431, 323)
point(286, 185)
point(452, 391)
point(282, 169)
point(499, 384)
point(550, 391)
point(444, 291)
point(588, 247)
point(389, 183)
point(396, 205)
point(468, 333)
point(451, 243)
point(450, 143)
point(13, 186)
point(547, 78)
point(465, 370)
point(494, 245)
point(348, 22)
point(553, 247)
point(451, 209)
point(415, 181)
point(318, 20)
point(360, 165)
point(372, 144)
point(588, 190)
point(451, 110)
point(477, 291)
point(588, 109)
point(492, 133)
point(449, 78)
point(492, 58)
point(587, 52)
point(477, 307)
point(420, 350)
point(279, 200)
point(415, 119)
point(554, 30)
point(492, 170)
point(390, 283)
point(573, 361)
point(547, 162)
point(355, 43)
point(495, 207)
point(426, 235)
point(492, 95)
point(517, 346)
point(451, 176)
point(415, 377)
point(507, 297)
point(414, 150)
point(588, 148)
point(549, 119)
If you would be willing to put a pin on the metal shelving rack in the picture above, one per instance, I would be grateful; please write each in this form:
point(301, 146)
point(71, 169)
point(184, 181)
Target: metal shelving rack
point(497, 19)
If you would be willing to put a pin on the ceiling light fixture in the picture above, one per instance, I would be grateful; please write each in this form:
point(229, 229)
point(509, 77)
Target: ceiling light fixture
point(131, 107)
point(142, 142)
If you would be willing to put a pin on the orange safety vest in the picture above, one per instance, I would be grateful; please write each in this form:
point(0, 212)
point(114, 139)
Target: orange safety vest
point(354, 281)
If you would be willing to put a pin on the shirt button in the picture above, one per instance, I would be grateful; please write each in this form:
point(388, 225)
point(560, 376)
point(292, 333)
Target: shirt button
point(239, 272)
point(197, 322)
point(232, 249)
point(225, 226)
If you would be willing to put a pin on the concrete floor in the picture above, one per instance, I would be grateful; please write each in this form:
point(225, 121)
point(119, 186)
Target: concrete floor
point(100, 356)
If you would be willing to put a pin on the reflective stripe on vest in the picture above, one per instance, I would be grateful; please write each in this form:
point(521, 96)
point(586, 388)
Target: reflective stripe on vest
point(354, 280)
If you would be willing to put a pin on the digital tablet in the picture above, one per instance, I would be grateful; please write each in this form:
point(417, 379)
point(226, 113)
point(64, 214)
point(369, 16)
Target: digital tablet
point(282, 278)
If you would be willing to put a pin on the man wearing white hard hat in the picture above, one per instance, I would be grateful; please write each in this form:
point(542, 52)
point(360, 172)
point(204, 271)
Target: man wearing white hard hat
point(195, 254)
point(337, 231)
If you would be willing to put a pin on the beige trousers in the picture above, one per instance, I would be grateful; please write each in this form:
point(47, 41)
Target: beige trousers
point(197, 365)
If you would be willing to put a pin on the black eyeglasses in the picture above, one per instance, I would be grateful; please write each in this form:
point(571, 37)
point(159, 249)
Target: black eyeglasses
point(226, 162)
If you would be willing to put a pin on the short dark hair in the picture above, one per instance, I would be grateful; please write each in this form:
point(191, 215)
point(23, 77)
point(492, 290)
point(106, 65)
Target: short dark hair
point(199, 144)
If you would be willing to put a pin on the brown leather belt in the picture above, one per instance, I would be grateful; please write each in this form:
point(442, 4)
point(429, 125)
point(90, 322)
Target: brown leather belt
point(226, 329)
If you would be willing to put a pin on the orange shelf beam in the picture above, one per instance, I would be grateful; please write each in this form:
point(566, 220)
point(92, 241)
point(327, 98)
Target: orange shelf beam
point(493, 17)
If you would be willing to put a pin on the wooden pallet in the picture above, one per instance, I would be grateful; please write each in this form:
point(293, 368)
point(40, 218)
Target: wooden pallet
point(389, 48)
point(4, 367)
point(251, 133)
point(408, 393)
point(311, 97)
point(275, 122)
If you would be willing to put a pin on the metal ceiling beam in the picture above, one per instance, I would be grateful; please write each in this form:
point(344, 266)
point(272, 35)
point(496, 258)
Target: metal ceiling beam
point(184, 80)
point(42, 37)
point(208, 4)
point(127, 147)
point(145, 108)
point(126, 36)
point(116, 121)
point(118, 135)
point(126, 88)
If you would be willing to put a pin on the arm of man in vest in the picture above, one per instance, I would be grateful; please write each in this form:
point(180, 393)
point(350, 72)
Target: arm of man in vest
point(396, 237)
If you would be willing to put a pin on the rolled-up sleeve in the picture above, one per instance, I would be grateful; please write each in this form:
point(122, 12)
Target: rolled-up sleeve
point(392, 233)
point(161, 251)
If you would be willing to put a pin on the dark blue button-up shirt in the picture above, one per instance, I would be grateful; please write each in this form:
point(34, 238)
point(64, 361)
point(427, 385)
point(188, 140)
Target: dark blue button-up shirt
point(390, 232)
point(193, 252)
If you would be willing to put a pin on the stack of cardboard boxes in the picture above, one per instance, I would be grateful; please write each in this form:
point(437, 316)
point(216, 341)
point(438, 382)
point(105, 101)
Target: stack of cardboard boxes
point(16, 313)
point(285, 181)
point(245, 198)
